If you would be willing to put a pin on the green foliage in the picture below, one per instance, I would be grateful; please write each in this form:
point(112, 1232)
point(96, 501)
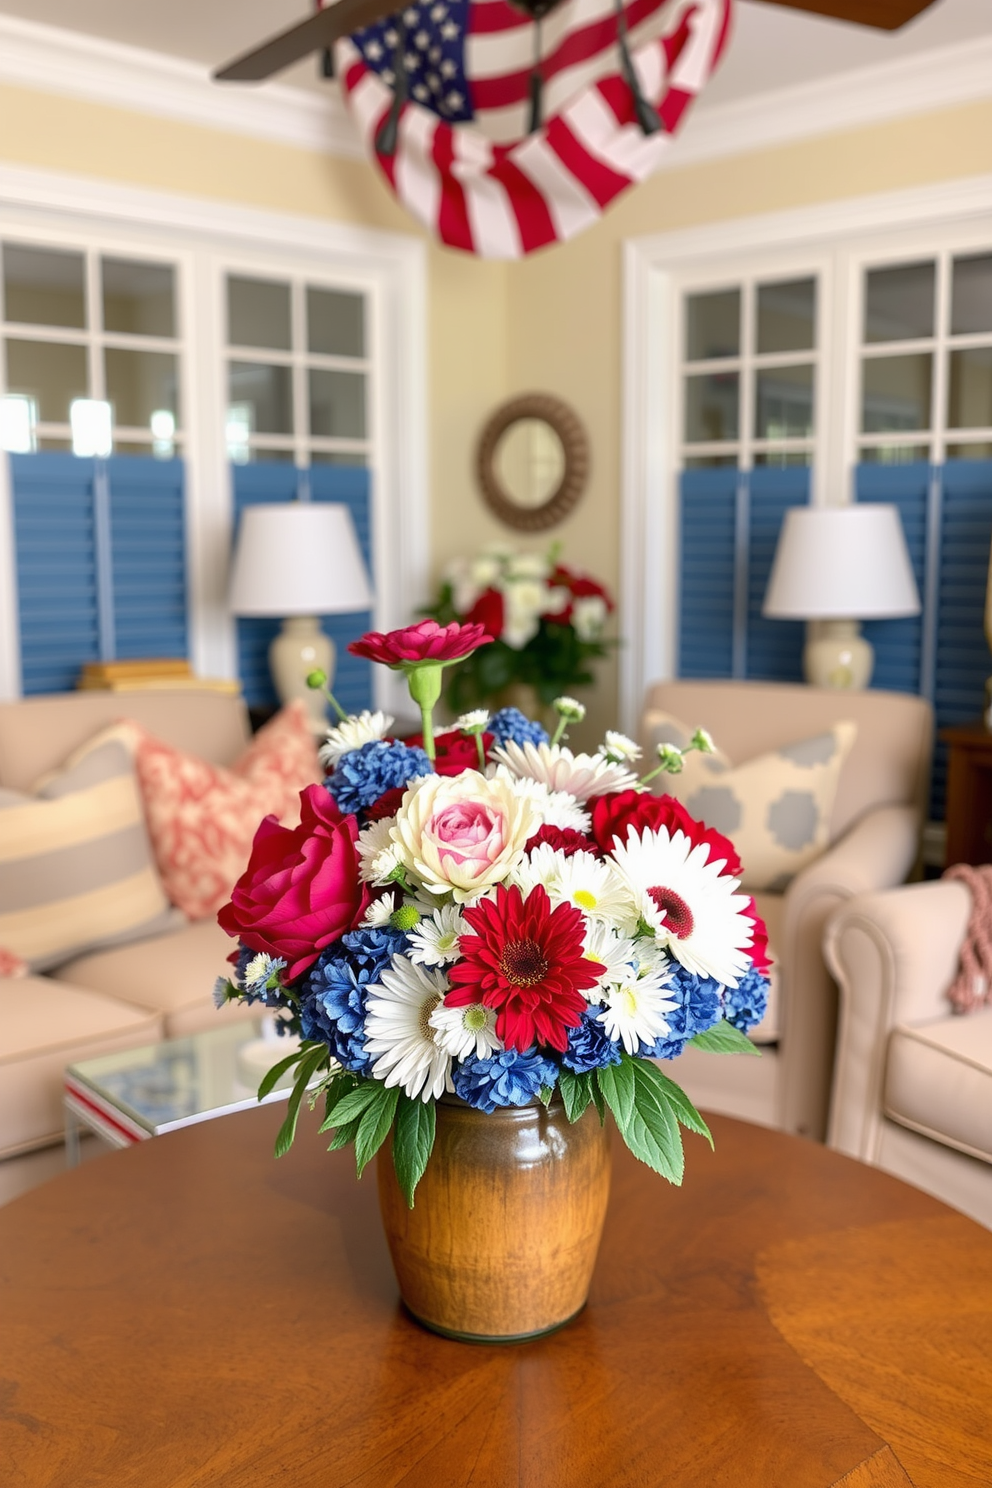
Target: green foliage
point(648, 1108)
point(724, 1038)
point(312, 1056)
point(576, 1093)
point(374, 1123)
point(413, 1142)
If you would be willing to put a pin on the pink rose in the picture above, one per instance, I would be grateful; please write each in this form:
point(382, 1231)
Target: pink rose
point(459, 834)
point(426, 641)
point(301, 890)
point(468, 833)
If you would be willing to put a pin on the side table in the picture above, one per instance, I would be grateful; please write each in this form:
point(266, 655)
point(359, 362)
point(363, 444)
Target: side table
point(969, 794)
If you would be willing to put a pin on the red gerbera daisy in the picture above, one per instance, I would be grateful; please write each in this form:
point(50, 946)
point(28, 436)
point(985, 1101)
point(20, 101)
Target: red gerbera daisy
point(526, 961)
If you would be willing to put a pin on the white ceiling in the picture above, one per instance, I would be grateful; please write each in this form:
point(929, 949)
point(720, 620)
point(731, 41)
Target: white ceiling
point(771, 48)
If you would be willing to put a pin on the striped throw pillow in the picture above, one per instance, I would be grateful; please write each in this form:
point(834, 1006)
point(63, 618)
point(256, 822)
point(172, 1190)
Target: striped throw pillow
point(76, 866)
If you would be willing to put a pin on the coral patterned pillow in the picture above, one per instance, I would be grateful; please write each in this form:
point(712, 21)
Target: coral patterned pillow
point(202, 818)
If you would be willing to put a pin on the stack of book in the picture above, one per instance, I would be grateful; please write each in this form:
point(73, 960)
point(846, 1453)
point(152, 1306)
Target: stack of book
point(145, 673)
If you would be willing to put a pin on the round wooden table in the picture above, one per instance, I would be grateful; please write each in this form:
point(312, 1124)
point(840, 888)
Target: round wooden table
point(191, 1312)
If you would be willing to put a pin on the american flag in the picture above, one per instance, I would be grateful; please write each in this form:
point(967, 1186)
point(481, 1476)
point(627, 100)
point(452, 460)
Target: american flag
point(465, 163)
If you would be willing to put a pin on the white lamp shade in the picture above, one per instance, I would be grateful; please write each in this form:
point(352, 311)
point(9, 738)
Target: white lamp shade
point(841, 562)
point(301, 558)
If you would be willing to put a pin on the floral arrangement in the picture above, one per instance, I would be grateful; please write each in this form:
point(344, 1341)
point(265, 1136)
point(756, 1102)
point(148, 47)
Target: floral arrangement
point(483, 912)
point(546, 621)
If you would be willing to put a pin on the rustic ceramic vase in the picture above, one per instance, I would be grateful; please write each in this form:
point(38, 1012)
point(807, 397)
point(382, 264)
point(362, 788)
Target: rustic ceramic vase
point(502, 1240)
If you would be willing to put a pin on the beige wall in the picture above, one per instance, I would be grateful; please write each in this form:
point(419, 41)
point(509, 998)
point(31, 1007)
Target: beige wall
point(552, 322)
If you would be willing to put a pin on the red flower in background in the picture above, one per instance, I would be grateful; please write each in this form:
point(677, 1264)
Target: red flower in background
point(488, 612)
point(526, 961)
point(454, 751)
point(579, 586)
point(301, 890)
point(424, 642)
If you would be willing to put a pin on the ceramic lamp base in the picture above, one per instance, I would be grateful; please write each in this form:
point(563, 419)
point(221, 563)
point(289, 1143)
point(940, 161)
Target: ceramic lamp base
point(300, 648)
point(837, 655)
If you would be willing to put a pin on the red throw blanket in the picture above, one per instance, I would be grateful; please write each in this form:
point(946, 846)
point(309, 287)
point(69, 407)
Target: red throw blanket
point(972, 987)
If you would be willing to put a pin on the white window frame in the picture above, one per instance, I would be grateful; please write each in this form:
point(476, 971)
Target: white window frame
point(842, 237)
point(207, 240)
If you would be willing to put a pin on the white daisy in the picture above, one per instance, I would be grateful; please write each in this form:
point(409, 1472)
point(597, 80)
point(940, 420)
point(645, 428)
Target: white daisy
point(399, 1034)
point(587, 883)
point(693, 909)
point(616, 953)
point(617, 747)
point(377, 852)
point(379, 911)
point(352, 733)
point(553, 808)
point(462, 1031)
point(582, 775)
point(435, 941)
point(473, 722)
point(635, 1010)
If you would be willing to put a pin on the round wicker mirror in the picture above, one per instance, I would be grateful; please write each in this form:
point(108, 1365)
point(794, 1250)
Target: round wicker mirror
point(533, 461)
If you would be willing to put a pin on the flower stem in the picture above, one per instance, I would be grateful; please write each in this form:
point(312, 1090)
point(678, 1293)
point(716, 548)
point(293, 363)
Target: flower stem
point(559, 732)
point(424, 681)
point(482, 753)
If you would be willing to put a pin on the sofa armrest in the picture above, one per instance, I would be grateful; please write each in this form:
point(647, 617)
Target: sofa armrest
point(894, 955)
point(876, 853)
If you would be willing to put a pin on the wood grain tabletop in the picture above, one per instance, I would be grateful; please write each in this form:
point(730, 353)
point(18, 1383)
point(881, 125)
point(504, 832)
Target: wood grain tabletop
point(190, 1312)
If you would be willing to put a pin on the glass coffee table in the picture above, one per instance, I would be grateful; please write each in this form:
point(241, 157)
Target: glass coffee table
point(135, 1094)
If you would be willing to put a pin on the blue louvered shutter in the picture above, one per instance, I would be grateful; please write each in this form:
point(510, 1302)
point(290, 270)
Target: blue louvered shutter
point(962, 654)
point(706, 572)
point(774, 648)
point(55, 543)
point(148, 547)
point(899, 643)
point(276, 482)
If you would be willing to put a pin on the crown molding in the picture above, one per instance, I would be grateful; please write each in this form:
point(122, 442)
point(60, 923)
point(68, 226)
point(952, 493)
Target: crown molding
point(54, 60)
point(67, 63)
point(940, 78)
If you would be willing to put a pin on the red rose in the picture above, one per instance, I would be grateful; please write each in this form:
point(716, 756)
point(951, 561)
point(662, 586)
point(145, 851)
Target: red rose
point(488, 612)
point(301, 890)
point(580, 586)
point(615, 813)
point(453, 752)
point(425, 641)
point(563, 839)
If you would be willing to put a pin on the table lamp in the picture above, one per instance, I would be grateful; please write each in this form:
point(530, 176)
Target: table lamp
point(299, 560)
point(834, 567)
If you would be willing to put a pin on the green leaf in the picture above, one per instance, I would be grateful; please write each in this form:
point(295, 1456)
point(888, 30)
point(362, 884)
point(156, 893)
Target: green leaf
point(352, 1104)
point(685, 1112)
point(374, 1125)
point(724, 1038)
point(413, 1141)
point(309, 1065)
point(616, 1081)
point(544, 1095)
point(576, 1093)
point(271, 1077)
point(597, 1096)
point(335, 1086)
point(344, 1134)
point(652, 1133)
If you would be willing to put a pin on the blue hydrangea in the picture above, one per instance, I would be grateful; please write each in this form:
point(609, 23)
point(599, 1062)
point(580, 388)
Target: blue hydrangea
point(363, 775)
point(697, 1007)
point(505, 1079)
point(510, 723)
point(589, 1046)
point(744, 1005)
point(336, 992)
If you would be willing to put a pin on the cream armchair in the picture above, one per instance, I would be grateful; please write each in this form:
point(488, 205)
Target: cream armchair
point(874, 838)
point(912, 1081)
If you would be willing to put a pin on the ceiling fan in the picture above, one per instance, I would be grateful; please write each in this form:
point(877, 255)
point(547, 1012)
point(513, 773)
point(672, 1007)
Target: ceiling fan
point(320, 31)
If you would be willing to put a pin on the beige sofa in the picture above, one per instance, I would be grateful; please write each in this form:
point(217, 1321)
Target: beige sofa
point(112, 999)
point(874, 837)
point(913, 1081)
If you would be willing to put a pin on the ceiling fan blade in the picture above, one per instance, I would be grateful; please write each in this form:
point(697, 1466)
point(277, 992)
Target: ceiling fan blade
point(883, 15)
point(312, 35)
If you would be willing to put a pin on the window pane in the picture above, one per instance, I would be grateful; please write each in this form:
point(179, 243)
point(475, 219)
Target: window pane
point(265, 394)
point(708, 462)
point(335, 322)
point(60, 446)
point(711, 404)
point(337, 404)
point(270, 456)
point(258, 313)
point(980, 451)
point(138, 298)
point(895, 454)
point(899, 302)
point(50, 374)
point(971, 295)
point(43, 286)
point(339, 457)
point(787, 316)
point(783, 403)
point(779, 459)
point(141, 384)
point(896, 393)
point(712, 325)
point(969, 403)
